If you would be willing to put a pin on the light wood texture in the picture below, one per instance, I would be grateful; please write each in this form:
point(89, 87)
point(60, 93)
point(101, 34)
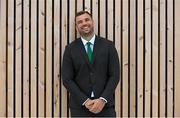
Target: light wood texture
point(56, 44)
point(26, 58)
point(71, 22)
point(177, 58)
point(87, 6)
point(125, 62)
point(33, 57)
point(49, 59)
point(147, 57)
point(41, 53)
point(162, 58)
point(118, 42)
point(64, 40)
point(102, 18)
point(3, 58)
point(95, 4)
point(131, 40)
point(155, 58)
point(140, 94)
point(110, 18)
point(10, 59)
point(170, 58)
point(79, 7)
point(34, 34)
point(18, 67)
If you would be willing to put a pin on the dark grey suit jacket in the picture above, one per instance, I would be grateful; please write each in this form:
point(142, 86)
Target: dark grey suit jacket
point(81, 78)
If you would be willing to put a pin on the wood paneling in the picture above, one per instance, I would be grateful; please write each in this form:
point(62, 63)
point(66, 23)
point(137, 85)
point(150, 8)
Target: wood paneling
point(176, 60)
point(10, 59)
point(34, 34)
point(64, 41)
point(3, 61)
point(41, 59)
point(154, 57)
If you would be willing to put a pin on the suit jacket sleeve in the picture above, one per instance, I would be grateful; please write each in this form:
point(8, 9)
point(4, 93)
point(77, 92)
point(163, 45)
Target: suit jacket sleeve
point(68, 76)
point(113, 73)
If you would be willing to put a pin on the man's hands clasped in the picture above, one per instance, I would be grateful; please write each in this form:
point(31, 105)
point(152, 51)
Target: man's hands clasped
point(95, 106)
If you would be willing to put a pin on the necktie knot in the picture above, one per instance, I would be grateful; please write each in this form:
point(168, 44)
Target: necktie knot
point(88, 44)
point(89, 52)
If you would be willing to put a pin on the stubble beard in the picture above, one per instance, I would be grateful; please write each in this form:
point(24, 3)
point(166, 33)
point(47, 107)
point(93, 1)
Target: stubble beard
point(90, 33)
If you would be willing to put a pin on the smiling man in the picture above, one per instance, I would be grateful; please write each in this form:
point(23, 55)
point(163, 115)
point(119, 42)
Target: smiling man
point(90, 71)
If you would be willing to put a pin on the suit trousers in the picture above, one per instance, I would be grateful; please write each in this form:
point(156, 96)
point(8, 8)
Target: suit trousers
point(83, 112)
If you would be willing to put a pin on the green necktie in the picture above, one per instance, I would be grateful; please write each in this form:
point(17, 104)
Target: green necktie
point(89, 52)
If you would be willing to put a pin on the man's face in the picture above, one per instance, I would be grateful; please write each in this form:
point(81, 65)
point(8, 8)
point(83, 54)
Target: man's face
point(85, 25)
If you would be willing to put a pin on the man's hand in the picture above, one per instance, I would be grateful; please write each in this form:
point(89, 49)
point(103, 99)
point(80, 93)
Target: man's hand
point(97, 106)
point(89, 104)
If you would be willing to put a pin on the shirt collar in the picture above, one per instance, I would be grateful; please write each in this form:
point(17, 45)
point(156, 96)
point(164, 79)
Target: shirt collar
point(91, 41)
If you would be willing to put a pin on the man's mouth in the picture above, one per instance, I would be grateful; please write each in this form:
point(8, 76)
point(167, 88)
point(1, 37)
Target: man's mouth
point(86, 27)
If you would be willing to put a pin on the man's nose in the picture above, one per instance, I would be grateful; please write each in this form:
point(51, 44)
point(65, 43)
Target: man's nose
point(84, 23)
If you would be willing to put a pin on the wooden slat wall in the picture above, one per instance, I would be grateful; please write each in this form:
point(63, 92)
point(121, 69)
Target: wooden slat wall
point(176, 58)
point(34, 34)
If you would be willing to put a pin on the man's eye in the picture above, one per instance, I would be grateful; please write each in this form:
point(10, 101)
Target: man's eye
point(79, 22)
point(87, 19)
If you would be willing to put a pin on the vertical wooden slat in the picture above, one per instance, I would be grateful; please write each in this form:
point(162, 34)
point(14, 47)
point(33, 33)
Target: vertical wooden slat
point(79, 6)
point(56, 58)
point(41, 53)
point(177, 58)
point(87, 6)
point(18, 54)
point(71, 21)
point(110, 24)
point(147, 57)
point(64, 43)
point(10, 59)
point(131, 41)
point(125, 59)
point(102, 18)
point(33, 58)
point(95, 14)
point(49, 59)
point(140, 60)
point(3, 58)
point(118, 47)
point(162, 58)
point(170, 58)
point(155, 59)
point(26, 59)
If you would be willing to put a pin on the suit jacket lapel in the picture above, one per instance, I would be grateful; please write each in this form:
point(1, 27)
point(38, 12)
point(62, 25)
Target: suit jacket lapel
point(82, 50)
point(96, 49)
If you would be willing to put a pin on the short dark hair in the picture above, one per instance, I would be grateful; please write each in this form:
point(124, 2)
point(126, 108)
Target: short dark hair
point(82, 12)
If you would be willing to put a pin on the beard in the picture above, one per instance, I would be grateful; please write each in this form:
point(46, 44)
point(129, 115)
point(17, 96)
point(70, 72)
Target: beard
point(87, 34)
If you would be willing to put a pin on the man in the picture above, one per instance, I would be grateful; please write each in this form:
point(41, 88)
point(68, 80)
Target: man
point(90, 71)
